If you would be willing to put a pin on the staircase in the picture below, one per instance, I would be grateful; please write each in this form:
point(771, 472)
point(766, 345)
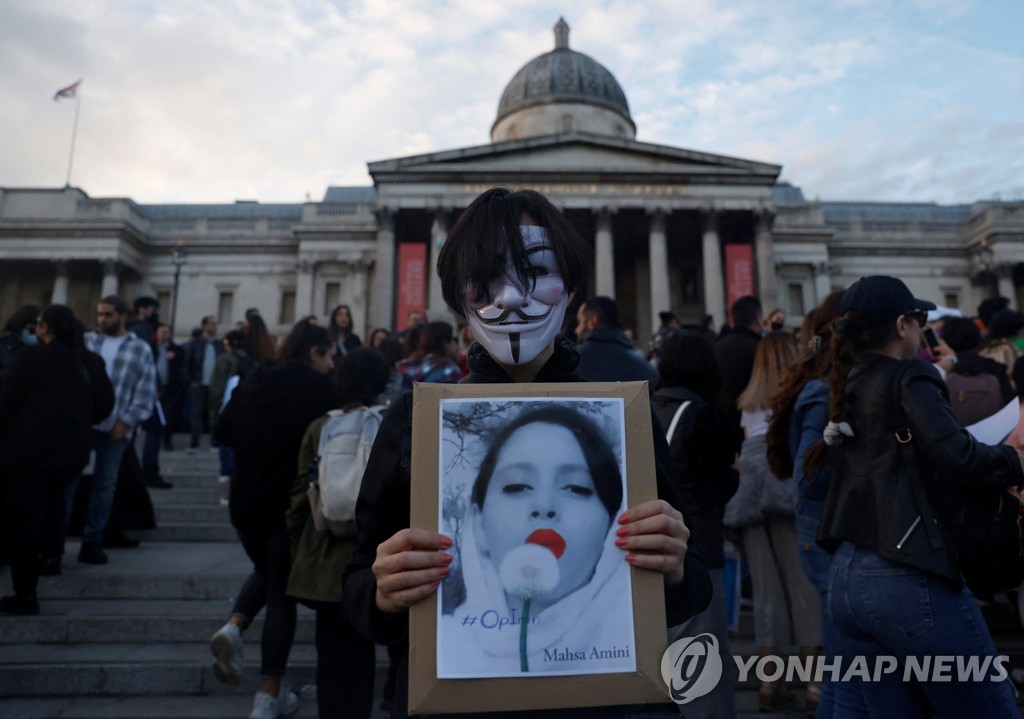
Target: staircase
point(129, 639)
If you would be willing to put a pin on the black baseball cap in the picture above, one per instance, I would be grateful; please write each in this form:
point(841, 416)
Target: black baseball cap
point(882, 298)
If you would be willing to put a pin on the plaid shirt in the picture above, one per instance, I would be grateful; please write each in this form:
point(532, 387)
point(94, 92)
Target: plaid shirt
point(134, 380)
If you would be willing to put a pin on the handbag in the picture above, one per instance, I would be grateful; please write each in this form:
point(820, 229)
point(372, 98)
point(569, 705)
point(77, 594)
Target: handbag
point(987, 531)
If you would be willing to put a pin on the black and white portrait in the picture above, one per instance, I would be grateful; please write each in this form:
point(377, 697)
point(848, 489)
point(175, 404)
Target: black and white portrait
point(531, 490)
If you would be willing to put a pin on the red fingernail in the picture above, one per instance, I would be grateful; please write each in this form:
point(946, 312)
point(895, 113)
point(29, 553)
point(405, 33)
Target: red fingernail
point(620, 542)
point(446, 558)
point(446, 542)
point(623, 532)
point(444, 571)
point(630, 558)
point(623, 519)
point(436, 584)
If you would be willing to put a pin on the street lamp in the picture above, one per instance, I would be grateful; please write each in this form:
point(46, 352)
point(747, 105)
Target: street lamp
point(178, 258)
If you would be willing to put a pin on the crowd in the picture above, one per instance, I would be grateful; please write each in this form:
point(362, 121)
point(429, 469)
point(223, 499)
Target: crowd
point(779, 443)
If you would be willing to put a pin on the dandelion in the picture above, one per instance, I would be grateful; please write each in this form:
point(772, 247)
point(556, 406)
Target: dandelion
point(526, 572)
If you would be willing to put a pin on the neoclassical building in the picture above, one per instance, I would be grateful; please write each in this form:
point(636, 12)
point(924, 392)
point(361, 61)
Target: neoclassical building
point(672, 228)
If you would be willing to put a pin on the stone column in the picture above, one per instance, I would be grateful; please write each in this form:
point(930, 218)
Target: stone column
point(714, 279)
point(604, 254)
point(822, 283)
point(360, 269)
point(436, 307)
point(111, 278)
point(658, 253)
point(383, 308)
point(1006, 286)
point(765, 262)
point(59, 296)
point(303, 289)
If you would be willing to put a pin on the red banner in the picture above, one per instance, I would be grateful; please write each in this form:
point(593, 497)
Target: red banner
point(739, 271)
point(412, 282)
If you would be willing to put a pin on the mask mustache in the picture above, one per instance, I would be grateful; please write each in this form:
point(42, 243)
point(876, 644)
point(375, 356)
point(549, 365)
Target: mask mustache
point(518, 313)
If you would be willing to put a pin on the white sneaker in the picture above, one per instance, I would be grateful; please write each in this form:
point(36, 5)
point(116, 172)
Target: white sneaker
point(224, 478)
point(284, 704)
point(226, 646)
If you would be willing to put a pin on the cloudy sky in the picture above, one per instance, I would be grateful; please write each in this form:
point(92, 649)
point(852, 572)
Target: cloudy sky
point(219, 100)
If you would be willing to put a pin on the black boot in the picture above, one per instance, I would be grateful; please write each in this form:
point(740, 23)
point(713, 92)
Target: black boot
point(92, 553)
point(20, 604)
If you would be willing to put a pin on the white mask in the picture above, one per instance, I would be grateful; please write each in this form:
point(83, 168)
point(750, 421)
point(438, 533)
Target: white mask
point(519, 322)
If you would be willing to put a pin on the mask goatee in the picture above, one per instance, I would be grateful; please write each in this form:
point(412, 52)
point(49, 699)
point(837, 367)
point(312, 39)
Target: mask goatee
point(513, 340)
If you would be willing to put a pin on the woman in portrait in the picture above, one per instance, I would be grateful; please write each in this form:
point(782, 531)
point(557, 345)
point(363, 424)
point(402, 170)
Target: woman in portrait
point(539, 548)
point(340, 330)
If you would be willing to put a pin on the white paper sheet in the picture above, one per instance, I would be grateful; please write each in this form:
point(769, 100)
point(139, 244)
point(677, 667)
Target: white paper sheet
point(995, 429)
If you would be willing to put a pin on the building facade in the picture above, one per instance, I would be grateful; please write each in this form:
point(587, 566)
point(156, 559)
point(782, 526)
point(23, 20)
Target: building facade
point(671, 228)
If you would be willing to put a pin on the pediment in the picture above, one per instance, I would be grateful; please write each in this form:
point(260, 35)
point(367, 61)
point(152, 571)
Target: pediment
point(573, 154)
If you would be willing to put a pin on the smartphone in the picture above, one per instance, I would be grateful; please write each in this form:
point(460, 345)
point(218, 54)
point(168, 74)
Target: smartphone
point(931, 340)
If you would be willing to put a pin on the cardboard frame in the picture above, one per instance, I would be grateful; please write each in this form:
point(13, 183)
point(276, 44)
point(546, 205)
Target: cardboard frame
point(430, 695)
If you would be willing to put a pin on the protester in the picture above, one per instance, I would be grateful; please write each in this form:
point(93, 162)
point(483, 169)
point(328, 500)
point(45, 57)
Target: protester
point(440, 354)
point(686, 403)
point(265, 421)
point(339, 329)
point(146, 319)
point(1004, 328)
point(606, 354)
point(168, 360)
point(391, 351)
point(978, 386)
point(776, 320)
point(377, 336)
point(20, 331)
point(234, 361)
point(799, 415)
point(785, 603)
point(259, 343)
point(668, 327)
point(735, 354)
point(546, 261)
point(895, 586)
point(199, 362)
point(345, 659)
point(129, 365)
point(56, 392)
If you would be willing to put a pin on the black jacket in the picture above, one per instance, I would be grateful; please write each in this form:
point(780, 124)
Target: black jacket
point(870, 500)
point(607, 355)
point(735, 354)
point(265, 420)
point(48, 405)
point(383, 510)
point(196, 353)
point(702, 458)
point(174, 370)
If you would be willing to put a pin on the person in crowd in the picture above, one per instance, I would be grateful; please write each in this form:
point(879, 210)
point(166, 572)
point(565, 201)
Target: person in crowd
point(964, 338)
point(57, 391)
point(1004, 328)
point(735, 354)
point(132, 372)
point(265, 421)
point(19, 331)
point(168, 359)
point(440, 355)
point(686, 403)
point(799, 415)
point(987, 309)
point(340, 330)
point(394, 565)
point(234, 361)
point(668, 327)
point(345, 658)
point(763, 508)
point(146, 319)
point(391, 351)
point(776, 320)
point(377, 336)
point(259, 343)
point(895, 585)
point(200, 361)
point(606, 354)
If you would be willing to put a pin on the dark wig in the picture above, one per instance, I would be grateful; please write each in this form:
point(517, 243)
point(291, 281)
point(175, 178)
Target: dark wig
point(601, 461)
point(487, 232)
point(303, 338)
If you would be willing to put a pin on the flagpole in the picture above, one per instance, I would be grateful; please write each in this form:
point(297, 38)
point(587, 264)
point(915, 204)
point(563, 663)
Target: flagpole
point(74, 133)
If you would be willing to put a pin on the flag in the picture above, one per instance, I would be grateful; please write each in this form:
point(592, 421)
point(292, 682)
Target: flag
point(68, 92)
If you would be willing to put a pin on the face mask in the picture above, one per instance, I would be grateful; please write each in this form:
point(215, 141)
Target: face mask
point(29, 338)
point(517, 323)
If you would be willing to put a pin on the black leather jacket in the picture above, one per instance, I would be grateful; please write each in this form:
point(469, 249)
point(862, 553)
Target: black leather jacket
point(871, 502)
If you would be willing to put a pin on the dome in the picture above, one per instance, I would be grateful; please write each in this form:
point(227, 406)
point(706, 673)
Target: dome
point(565, 77)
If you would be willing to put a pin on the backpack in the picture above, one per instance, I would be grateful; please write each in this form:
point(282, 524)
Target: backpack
point(973, 397)
point(335, 477)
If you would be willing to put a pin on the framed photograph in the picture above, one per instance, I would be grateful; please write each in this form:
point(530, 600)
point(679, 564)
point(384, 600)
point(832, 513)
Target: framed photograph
point(541, 610)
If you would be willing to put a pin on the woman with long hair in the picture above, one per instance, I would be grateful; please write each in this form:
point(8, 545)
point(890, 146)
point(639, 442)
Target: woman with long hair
point(799, 415)
point(259, 343)
point(265, 421)
point(339, 329)
point(895, 585)
point(54, 394)
point(785, 603)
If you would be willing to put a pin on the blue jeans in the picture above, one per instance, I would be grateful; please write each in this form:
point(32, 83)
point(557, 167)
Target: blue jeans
point(104, 481)
point(227, 460)
point(881, 608)
point(817, 564)
point(151, 447)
